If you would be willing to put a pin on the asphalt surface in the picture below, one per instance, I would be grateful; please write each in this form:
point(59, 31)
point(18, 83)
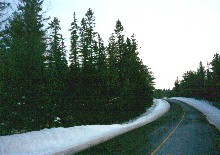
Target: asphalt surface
point(184, 130)
point(194, 135)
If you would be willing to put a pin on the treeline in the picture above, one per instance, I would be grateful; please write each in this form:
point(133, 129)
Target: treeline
point(201, 84)
point(162, 93)
point(39, 88)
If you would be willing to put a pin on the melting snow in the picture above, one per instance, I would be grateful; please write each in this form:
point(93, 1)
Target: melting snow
point(58, 140)
point(212, 113)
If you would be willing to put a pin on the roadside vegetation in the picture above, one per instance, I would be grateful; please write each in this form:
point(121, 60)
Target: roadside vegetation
point(42, 86)
point(201, 84)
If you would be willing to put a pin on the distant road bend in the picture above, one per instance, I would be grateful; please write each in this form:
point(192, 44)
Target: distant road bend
point(192, 135)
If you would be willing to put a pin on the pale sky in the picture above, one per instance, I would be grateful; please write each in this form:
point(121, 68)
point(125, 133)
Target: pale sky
point(174, 35)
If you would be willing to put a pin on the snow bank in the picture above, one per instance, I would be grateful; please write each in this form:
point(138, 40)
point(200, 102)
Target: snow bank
point(212, 113)
point(74, 139)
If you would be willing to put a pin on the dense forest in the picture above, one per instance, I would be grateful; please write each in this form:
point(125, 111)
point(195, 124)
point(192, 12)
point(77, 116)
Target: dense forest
point(201, 84)
point(43, 86)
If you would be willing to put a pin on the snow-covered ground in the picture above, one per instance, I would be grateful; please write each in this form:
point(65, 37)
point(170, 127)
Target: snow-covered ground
point(62, 140)
point(212, 113)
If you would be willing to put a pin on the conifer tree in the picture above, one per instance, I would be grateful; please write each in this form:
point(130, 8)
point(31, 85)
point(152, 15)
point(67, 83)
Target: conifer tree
point(57, 71)
point(119, 39)
point(27, 49)
point(102, 70)
point(90, 34)
point(144, 85)
point(215, 84)
point(200, 91)
point(74, 72)
point(5, 109)
point(87, 57)
point(83, 52)
point(208, 83)
point(74, 60)
point(176, 89)
point(112, 70)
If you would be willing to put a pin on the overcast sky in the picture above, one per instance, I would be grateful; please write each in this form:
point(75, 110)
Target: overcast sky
point(174, 35)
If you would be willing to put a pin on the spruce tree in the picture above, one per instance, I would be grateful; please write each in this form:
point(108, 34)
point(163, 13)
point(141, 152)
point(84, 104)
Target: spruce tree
point(113, 77)
point(6, 108)
point(102, 70)
point(74, 51)
point(208, 83)
point(73, 81)
point(215, 84)
point(176, 89)
point(27, 47)
point(200, 91)
point(87, 56)
point(144, 85)
point(119, 39)
point(57, 73)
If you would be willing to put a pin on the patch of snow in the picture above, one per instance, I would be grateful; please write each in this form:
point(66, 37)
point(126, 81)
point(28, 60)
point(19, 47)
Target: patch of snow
point(212, 113)
point(74, 139)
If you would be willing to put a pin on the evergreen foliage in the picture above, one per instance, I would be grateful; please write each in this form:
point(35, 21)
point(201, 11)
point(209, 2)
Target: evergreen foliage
point(57, 71)
point(102, 84)
point(202, 84)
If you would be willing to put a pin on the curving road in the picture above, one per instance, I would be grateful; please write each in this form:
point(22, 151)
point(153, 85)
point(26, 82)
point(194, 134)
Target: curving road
point(194, 135)
point(183, 130)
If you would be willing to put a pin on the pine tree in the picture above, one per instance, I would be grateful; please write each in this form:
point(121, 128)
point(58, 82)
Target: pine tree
point(27, 49)
point(200, 91)
point(57, 73)
point(176, 89)
point(115, 50)
point(88, 58)
point(215, 84)
point(83, 52)
point(102, 70)
point(113, 76)
point(119, 39)
point(73, 81)
point(144, 84)
point(74, 60)
point(208, 83)
point(6, 107)
point(90, 35)
point(3, 47)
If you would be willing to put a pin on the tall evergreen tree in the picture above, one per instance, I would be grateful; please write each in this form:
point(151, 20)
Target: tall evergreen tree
point(215, 84)
point(208, 83)
point(119, 39)
point(113, 76)
point(74, 51)
point(27, 49)
point(5, 113)
point(102, 69)
point(57, 72)
point(176, 89)
point(200, 91)
point(87, 56)
point(90, 34)
point(74, 72)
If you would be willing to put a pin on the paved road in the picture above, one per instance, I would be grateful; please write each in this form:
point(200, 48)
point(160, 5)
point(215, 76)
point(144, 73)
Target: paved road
point(193, 136)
